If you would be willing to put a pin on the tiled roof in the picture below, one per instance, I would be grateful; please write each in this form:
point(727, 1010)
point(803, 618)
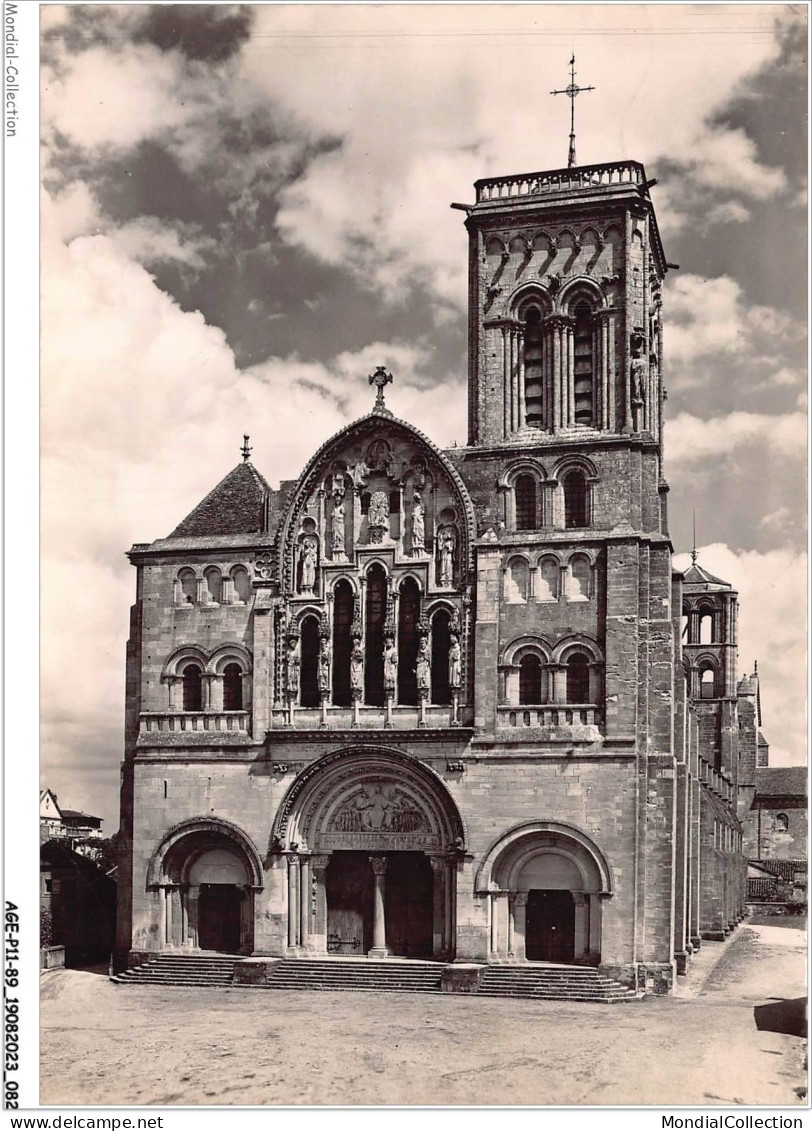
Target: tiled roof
point(781, 781)
point(696, 575)
point(235, 506)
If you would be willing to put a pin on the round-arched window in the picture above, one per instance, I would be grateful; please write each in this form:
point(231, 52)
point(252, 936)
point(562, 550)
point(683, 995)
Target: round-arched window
point(193, 688)
point(578, 678)
point(530, 673)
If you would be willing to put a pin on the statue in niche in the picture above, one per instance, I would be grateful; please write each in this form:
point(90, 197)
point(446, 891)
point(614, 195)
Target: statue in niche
point(379, 455)
point(294, 659)
point(360, 474)
point(424, 667)
point(638, 371)
point(338, 527)
point(357, 669)
point(447, 543)
point(323, 674)
point(390, 666)
point(418, 525)
point(454, 663)
point(310, 551)
point(378, 516)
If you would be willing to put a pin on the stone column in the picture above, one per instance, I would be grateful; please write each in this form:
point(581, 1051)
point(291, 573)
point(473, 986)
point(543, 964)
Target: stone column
point(581, 931)
point(318, 867)
point(555, 334)
point(193, 914)
point(227, 592)
point(511, 929)
point(175, 684)
point(200, 590)
point(379, 948)
point(177, 592)
point(569, 338)
point(184, 915)
point(304, 902)
point(507, 407)
point(514, 379)
point(293, 901)
point(531, 594)
point(205, 688)
point(522, 406)
point(215, 693)
point(493, 944)
point(450, 918)
point(595, 915)
point(520, 925)
point(559, 689)
point(438, 868)
point(610, 375)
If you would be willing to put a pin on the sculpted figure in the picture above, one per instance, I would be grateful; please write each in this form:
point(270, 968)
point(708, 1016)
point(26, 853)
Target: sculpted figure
point(418, 525)
point(324, 666)
point(454, 663)
point(446, 558)
point(360, 474)
point(379, 509)
point(390, 666)
point(294, 668)
point(357, 670)
point(309, 553)
point(338, 526)
point(638, 370)
point(424, 667)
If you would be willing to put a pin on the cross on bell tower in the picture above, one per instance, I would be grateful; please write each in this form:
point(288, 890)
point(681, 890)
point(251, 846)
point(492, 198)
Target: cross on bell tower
point(572, 91)
point(380, 378)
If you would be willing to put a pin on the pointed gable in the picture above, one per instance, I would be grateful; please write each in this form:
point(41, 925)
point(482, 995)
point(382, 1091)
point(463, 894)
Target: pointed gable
point(235, 506)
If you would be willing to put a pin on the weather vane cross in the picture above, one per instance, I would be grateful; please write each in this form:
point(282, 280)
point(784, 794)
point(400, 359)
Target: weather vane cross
point(572, 91)
point(380, 379)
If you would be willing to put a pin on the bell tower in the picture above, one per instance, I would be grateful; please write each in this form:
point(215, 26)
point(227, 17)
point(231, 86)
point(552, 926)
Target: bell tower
point(565, 277)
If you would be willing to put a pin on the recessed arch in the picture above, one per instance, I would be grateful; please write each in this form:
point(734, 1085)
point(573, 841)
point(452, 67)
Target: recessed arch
point(324, 807)
point(503, 861)
point(232, 650)
point(209, 830)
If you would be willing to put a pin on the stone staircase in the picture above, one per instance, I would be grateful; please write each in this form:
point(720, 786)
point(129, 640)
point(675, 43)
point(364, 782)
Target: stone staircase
point(553, 983)
point(540, 982)
point(182, 970)
point(364, 974)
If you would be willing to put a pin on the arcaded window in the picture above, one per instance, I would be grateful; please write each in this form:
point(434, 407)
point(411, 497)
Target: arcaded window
point(707, 684)
point(440, 645)
point(575, 499)
point(580, 579)
point(373, 652)
point(192, 688)
point(584, 363)
point(781, 823)
point(188, 584)
point(533, 371)
point(408, 641)
point(525, 490)
point(232, 687)
point(706, 627)
point(530, 672)
point(517, 581)
point(548, 578)
point(578, 678)
point(242, 584)
point(343, 608)
point(309, 671)
point(214, 585)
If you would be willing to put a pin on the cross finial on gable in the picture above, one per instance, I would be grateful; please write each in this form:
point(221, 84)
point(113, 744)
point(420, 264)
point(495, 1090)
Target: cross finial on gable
point(246, 451)
point(380, 378)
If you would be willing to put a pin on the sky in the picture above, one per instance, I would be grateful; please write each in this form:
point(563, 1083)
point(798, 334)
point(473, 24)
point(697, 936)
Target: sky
point(245, 209)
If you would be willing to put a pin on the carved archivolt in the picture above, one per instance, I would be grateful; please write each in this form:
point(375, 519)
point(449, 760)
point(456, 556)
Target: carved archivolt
point(502, 864)
point(368, 799)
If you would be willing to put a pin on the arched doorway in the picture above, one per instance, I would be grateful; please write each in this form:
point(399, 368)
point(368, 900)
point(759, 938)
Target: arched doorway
point(206, 872)
point(544, 882)
point(373, 836)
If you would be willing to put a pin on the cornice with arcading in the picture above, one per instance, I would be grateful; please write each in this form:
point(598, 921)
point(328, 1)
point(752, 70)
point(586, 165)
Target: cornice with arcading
point(316, 467)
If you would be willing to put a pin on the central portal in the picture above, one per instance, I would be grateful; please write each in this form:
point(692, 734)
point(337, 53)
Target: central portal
point(353, 881)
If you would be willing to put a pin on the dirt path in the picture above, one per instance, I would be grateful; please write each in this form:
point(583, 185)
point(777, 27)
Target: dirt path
point(150, 1045)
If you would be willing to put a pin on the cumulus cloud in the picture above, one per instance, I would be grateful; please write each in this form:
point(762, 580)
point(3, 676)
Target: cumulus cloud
point(772, 594)
point(691, 439)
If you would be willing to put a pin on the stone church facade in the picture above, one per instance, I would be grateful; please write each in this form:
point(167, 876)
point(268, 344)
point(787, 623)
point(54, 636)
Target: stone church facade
point(439, 704)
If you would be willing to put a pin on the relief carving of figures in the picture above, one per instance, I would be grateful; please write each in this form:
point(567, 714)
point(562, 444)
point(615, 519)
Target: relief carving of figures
point(454, 664)
point(294, 658)
point(378, 808)
point(378, 516)
point(338, 528)
point(424, 667)
point(390, 666)
point(639, 372)
point(324, 665)
point(360, 474)
point(310, 551)
point(447, 543)
point(357, 669)
point(379, 455)
point(418, 526)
